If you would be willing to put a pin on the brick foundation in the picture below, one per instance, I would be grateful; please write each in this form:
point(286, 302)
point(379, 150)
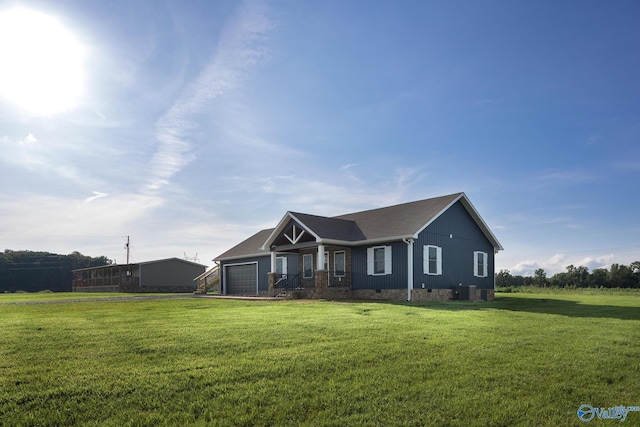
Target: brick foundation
point(431, 294)
point(321, 291)
point(381, 294)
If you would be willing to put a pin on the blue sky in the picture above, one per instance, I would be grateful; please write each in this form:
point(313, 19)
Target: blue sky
point(190, 125)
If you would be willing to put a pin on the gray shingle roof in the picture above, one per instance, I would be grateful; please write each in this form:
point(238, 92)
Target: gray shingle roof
point(331, 228)
point(392, 222)
point(400, 220)
point(249, 247)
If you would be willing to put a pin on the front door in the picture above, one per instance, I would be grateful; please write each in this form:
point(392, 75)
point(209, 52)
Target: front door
point(281, 266)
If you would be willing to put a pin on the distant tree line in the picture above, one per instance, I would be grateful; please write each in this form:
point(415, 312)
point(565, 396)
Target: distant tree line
point(37, 271)
point(618, 276)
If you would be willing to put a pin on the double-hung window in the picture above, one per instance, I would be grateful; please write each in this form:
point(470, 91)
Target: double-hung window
point(338, 264)
point(307, 266)
point(379, 260)
point(480, 264)
point(432, 260)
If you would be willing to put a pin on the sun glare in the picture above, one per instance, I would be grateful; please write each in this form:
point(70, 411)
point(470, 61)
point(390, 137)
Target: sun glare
point(40, 63)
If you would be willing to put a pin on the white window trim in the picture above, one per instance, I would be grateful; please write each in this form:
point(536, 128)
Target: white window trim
point(326, 261)
point(304, 270)
point(425, 260)
point(344, 272)
point(484, 272)
point(387, 260)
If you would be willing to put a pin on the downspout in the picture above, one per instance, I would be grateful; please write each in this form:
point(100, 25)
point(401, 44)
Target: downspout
point(409, 242)
point(493, 267)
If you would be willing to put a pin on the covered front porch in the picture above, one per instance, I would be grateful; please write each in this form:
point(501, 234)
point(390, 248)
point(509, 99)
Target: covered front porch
point(319, 268)
point(319, 271)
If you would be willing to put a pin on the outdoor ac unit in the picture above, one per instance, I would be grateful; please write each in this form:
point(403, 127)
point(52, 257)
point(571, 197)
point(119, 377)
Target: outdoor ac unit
point(467, 292)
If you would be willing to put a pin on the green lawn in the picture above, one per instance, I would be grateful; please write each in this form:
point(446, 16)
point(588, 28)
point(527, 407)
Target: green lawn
point(525, 359)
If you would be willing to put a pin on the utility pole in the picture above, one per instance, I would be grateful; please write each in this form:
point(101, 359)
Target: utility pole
point(127, 248)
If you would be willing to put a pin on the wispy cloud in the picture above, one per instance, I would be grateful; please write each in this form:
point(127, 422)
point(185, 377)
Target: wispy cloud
point(566, 177)
point(96, 195)
point(316, 193)
point(29, 139)
point(71, 221)
point(490, 101)
point(349, 166)
point(44, 159)
point(239, 49)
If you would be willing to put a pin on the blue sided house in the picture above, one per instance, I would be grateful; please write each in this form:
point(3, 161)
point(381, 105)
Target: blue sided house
point(433, 249)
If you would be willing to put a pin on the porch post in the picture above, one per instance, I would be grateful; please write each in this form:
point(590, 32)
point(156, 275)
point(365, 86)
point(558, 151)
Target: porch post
point(272, 276)
point(320, 265)
point(320, 276)
point(273, 261)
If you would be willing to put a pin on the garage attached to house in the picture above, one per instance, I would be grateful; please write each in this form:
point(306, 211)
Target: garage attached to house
point(241, 279)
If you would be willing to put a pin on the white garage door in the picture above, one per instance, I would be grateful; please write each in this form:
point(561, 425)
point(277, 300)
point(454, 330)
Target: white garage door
point(242, 279)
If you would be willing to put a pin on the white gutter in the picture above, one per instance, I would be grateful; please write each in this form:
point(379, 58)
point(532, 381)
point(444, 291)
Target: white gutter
point(368, 241)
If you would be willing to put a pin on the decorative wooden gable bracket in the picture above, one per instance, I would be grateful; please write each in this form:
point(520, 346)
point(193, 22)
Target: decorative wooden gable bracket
point(295, 237)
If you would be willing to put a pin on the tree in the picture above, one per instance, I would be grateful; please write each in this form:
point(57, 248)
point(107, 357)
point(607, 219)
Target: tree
point(504, 279)
point(599, 278)
point(621, 276)
point(577, 276)
point(559, 280)
point(36, 271)
point(540, 278)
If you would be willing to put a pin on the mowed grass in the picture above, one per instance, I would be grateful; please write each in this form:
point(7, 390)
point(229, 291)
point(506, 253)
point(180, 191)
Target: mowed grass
point(47, 296)
point(525, 359)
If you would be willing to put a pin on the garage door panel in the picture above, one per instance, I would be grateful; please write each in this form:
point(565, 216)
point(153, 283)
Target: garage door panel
point(242, 279)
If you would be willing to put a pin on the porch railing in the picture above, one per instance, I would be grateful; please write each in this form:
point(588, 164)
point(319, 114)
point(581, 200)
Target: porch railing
point(286, 283)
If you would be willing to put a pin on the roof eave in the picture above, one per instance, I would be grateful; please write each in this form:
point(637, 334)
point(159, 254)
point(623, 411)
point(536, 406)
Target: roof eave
point(237, 257)
point(483, 225)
